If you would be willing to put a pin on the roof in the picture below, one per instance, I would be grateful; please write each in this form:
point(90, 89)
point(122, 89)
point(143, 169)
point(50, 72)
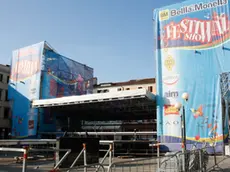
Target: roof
point(92, 98)
point(130, 82)
point(5, 68)
point(123, 105)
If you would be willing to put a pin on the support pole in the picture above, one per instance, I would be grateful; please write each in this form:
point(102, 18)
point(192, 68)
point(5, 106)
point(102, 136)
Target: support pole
point(85, 159)
point(25, 155)
point(184, 129)
point(158, 155)
point(183, 139)
point(110, 153)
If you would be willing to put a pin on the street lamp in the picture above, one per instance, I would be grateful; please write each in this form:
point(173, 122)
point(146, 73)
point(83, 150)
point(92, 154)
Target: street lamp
point(178, 106)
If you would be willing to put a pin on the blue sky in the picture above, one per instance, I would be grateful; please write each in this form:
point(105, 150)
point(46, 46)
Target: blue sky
point(115, 37)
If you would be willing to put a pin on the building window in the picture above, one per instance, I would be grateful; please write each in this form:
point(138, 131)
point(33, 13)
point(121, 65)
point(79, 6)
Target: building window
point(150, 88)
point(106, 91)
point(127, 88)
point(119, 89)
point(6, 113)
point(8, 78)
point(98, 91)
point(139, 87)
point(1, 77)
point(6, 96)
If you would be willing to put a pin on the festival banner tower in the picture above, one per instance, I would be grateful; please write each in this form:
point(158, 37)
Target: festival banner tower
point(192, 50)
point(39, 72)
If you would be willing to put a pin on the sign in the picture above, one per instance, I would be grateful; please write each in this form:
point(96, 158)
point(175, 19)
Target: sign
point(170, 110)
point(192, 51)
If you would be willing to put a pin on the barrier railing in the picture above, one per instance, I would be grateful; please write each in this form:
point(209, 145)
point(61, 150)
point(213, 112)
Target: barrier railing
point(23, 150)
point(195, 160)
point(26, 151)
point(189, 161)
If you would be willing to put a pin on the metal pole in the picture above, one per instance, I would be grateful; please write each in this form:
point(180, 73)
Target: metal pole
point(76, 159)
point(126, 133)
point(182, 134)
point(56, 160)
point(158, 155)
point(85, 160)
point(184, 128)
point(110, 153)
point(24, 159)
point(62, 159)
point(182, 140)
point(200, 160)
point(113, 149)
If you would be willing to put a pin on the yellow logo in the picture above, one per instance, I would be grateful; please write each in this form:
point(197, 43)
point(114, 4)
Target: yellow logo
point(169, 63)
point(170, 110)
point(164, 15)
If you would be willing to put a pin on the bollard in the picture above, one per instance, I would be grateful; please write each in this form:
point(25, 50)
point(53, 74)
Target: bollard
point(85, 160)
point(25, 155)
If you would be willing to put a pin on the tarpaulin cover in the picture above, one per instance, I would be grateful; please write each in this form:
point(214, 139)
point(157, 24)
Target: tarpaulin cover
point(192, 50)
point(62, 76)
point(24, 86)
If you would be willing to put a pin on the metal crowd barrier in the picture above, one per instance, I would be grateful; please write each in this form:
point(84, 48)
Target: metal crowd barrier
point(25, 150)
point(190, 161)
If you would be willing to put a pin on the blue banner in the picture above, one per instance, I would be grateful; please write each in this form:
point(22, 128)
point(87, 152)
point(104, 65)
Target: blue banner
point(192, 50)
point(24, 86)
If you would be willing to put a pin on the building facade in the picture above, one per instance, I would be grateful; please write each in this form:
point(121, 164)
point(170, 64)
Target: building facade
point(5, 123)
point(148, 84)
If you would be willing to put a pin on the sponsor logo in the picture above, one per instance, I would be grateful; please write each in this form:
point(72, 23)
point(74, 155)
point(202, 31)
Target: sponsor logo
point(170, 110)
point(173, 94)
point(164, 15)
point(169, 63)
point(170, 80)
point(197, 7)
point(172, 123)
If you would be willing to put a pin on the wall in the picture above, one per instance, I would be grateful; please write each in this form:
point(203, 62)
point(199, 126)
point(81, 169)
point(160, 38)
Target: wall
point(4, 104)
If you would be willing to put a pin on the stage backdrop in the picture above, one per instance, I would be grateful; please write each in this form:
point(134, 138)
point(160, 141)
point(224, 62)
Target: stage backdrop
point(192, 50)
